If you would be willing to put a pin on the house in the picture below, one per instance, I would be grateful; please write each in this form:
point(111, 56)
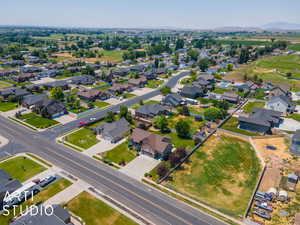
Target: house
point(150, 75)
point(248, 87)
point(59, 216)
point(281, 103)
point(119, 72)
point(30, 100)
point(279, 90)
point(151, 110)
point(55, 84)
point(50, 108)
point(260, 121)
point(119, 88)
point(83, 80)
point(139, 82)
point(23, 77)
point(7, 185)
point(92, 95)
point(30, 69)
point(231, 98)
point(114, 131)
point(153, 145)
point(292, 182)
point(295, 146)
point(192, 92)
point(173, 100)
point(19, 93)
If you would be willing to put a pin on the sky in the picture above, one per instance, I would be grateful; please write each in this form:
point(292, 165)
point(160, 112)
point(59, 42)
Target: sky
point(195, 14)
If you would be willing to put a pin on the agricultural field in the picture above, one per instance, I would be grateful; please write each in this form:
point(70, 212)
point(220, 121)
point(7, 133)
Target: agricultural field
point(272, 69)
point(95, 212)
point(219, 174)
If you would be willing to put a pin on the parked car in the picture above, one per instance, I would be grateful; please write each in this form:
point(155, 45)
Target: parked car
point(81, 123)
point(46, 181)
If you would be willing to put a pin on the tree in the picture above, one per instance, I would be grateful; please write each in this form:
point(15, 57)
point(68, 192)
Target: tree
point(229, 67)
point(57, 93)
point(141, 102)
point(110, 117)
point(162, 171)
point(183, 128)
point(203, 64)
point(213, 113)
point(175, 157)
point(184, 110)
point(123, 111)
point(165, 90)
point(244, 56)
point(193, 54)
point(156, 62)
point(179, 44)
point(161, 123)
point(222, 105)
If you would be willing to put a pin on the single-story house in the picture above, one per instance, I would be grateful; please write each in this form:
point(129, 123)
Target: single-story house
point(59, 83)
point(30, 69)
point(260, 121)
point(281, 103)
point(30, 100)
point(114, 131)
point(92, 95)
point(139, 82)
point(192, 92)
point(151, 110)
point(295, 146)
point(50, 108)
point(119, 88)
point(153, 145)
point(279, 90)
point(83, 80)
point(173, 100)
point(231, 98)
point(23, 77)
point(17, 92)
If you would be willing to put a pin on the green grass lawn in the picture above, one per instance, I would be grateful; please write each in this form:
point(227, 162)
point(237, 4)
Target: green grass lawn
point(4, 84)
point(78, 110)
point(294, 116)
point(95, 212)
point(154, 83)
point(101, 104)
point(232, 125)
point(220, 174)
point(37, 121)
point(7, 106)
point(112, 55)
point(119, 154)
point(151, 102)
point(218, 90)
point(128, 95)
point(250, 105)
point(44, 195)
point(83, 138)
point(21, 168)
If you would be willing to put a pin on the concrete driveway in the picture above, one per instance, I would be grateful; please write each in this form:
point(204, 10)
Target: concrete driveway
point(139, 166)
point(65, 119)
point(44, 80)
point(289, 125)
point(102, 146)
point(142, 91)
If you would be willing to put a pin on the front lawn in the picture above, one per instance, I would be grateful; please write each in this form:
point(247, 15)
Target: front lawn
point(101, 104)
point(220, 174)
point(250, 105)
point(83, 138)
point(294, 116)
point(37, 121)
point(21, 168)
point(95, 212)
point(78, 110)
point(120, 154)
point(232, 125)
point(154, 83)
point(7, 106)
point(128, 95)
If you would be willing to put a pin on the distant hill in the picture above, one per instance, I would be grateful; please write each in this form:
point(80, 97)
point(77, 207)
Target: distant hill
point(281, 26)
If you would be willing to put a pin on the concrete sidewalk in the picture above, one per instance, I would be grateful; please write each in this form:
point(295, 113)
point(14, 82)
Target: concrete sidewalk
point(102, 146)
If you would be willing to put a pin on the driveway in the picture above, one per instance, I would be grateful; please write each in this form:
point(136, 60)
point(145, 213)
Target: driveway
point(102, 146)
point(65, 119)
point(44, 80)
point(12, 113)
point(142, 91)
point(139, 166)
point(289, 125)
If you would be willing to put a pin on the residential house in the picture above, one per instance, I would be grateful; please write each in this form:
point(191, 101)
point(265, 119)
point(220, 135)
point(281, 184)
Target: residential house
point(50, 108)
point(7, 185)
point(295, 146)
point(248, 87)
point(31, 100)
point(23, 77)
point(92, 95)
point(83, 80)
point(114, 131)
point(279, 90)
point(281, 103)
point(150, 144)
point(55, 84)
point(231, 98)
point(30, 69)
point(260, 121)
point(292, 181)
point(59, 216)
point(150, 75)
point(119, 72)
point(119, 88)
point(192, 91)
point(151, 110)
point(19, 93)
point(138, 83)
point(173, 100)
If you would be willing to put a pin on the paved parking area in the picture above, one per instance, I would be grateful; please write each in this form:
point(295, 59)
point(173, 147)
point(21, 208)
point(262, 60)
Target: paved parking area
point(139, 166)
point(289, 125)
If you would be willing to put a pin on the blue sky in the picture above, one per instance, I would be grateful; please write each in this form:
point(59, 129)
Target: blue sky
point(150, 13)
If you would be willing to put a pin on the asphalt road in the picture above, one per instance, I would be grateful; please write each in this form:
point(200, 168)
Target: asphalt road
point(155, 206)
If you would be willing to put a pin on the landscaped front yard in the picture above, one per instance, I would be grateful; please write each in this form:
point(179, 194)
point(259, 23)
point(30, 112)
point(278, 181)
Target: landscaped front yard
point(37, 121)
point(121, 154)
point(154, 83)
point(220, 174)
point(21, 168)
point(101, 104)
point(128, 95)
point(250, 105)
point(232, 125)
point(7, 106)
point(95, 212)
point(79, 110)
point(83, 138)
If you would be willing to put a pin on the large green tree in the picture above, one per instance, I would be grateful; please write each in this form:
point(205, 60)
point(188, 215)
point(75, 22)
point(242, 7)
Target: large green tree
point(57, 93)
point(161, 123)
point(183, 128)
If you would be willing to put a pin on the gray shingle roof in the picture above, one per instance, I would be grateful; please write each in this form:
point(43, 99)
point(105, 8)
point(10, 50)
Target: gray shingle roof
point(151, 109)
point(263, 117)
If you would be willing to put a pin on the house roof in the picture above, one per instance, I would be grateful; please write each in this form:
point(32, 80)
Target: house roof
point(296, 136)
point(52, 106)
point(84, 79)
point(115, 129)
point(156, 142)
point(230, 96)
point(89, 93)
point(282, 98)
point(7, 183)
point(137, 81)
point(191, 90)
point(173, 99)
point(285, 89)
point(263, 117)
point(151, 109)
point(33, 99)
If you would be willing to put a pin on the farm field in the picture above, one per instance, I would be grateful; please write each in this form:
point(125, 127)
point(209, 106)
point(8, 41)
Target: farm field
point(272, 69)
point(220, 174)
point(96, 212)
